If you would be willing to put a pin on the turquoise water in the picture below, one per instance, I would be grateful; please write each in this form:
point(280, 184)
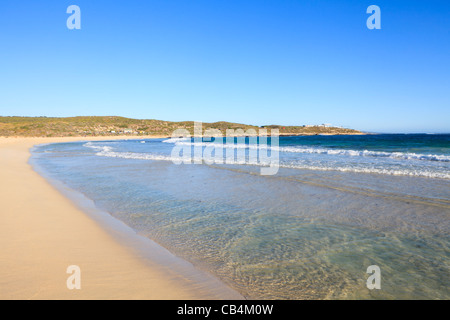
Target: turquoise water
point(337, 205)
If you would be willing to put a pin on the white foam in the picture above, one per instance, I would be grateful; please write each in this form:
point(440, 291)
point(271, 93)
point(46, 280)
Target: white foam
point(385, 171)
point(107, 151)
point(176, 140)
point(325, 151)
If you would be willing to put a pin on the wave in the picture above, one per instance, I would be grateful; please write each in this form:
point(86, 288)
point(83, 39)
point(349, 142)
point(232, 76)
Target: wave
point(367, 153)
point(176, 140)
point(107, 151)
point(317, 150)
point(372, 170)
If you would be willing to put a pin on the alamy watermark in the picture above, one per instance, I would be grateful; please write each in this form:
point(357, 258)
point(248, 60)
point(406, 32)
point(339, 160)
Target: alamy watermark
point(236, 147)
point(374, 21)
point(74, 20)
point(74, 280)
point(374, 280)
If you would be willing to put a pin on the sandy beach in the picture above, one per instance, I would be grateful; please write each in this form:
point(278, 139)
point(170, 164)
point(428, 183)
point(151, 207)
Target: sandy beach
point(42, 233)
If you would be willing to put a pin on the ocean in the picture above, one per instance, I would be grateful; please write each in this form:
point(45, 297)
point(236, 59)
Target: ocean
point(336, 205)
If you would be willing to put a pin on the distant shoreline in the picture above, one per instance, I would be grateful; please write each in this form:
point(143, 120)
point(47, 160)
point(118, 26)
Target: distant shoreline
point(40, 127)
point(130, 137)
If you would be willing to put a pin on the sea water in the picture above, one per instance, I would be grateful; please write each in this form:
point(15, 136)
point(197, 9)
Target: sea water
point(337, 205)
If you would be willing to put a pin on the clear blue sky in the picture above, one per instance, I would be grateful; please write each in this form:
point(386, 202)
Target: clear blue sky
point(249, 61)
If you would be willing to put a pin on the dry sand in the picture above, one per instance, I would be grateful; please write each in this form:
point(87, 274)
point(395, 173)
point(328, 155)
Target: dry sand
point(42, 233)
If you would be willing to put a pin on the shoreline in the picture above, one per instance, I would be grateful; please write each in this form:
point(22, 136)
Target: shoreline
point(44, 229)
point(138, 137)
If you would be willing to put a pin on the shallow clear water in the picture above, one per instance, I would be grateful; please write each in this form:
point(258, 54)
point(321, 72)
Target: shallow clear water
point(336, 206)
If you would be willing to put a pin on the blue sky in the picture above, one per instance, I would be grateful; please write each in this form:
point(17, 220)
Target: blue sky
point(250, 61)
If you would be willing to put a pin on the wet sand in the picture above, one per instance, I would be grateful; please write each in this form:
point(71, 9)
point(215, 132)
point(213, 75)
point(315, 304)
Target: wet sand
point(42, 233)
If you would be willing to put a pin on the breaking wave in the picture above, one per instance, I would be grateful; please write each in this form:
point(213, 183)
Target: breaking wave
point(317, 150)
point(108, 151)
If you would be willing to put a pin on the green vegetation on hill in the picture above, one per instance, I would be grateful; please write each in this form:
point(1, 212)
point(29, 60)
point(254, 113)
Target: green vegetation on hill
point(109, 126)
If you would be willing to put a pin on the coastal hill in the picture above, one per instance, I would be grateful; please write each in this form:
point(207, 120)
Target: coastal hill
point(111, 126)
